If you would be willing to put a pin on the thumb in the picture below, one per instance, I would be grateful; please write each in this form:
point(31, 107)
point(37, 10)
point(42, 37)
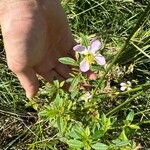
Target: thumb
point(29, 81)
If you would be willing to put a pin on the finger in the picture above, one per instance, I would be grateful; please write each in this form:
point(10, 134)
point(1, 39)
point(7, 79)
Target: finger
point(55, 76)
point(63, 70)
point(71, 52)
point(51, 75)
point(29, 82)
point(45, 70)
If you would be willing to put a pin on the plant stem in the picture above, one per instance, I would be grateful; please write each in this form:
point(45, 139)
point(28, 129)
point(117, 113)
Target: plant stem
point(142, 87)
point(138, 24)
point(144, 122)
point(123, 104)
point(142, 112)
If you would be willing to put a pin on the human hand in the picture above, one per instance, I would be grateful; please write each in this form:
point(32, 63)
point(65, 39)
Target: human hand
point(35, 34)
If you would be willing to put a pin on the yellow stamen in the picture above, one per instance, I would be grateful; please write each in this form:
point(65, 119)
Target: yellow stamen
point(90, 58)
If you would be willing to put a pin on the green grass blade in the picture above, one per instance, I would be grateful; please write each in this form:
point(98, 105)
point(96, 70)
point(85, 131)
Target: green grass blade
point(138, 24)
point(140, 50)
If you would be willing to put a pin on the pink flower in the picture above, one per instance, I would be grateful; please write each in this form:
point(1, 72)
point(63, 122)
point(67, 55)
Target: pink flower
point(91, 55)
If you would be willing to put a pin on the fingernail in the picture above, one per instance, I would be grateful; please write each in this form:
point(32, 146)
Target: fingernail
point(29, 95)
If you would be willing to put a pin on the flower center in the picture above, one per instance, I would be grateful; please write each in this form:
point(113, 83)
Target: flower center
point(90, 58)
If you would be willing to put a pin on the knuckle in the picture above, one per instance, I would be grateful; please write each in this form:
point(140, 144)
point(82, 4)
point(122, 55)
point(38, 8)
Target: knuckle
point(16, 68)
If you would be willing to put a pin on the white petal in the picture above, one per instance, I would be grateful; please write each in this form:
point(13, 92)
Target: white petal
point(100, 60)
point(88, 95)
point(84, 66)
point(123, 88)
point(80, 49)
point(129, 83)
point(95, 45)
point(123, 84)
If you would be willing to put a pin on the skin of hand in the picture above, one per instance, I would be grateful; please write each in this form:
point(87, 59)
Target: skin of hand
point(35, 35)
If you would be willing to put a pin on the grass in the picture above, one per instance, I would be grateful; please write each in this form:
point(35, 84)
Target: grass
point(111, 21)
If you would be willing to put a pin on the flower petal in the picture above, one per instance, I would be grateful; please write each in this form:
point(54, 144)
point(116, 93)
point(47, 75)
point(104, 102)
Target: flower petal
point(100, 60)
point(95, 45)
point(88, 95)
point(123, 84)
point(129, 83)
point(84, 66)
point(123, 88)
point(80, 49)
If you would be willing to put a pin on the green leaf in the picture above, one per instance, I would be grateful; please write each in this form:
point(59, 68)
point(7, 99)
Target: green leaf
point(120, 143)
point(68, 61)
point(126, 122)
point(56, 83)
point(80, 131)
point(75, 144)
point(74, 135)
point(108, 123)
point(49, 112)
point(74, 83)
point(130, 116)
point(98, 134)
point(133, 126)
point(61, 124)
point(32, 104)
point(104, 119)
point(58, 101)
point(123, 136)
point(74, 93)
point(99, 146)
point(62, 84)
point(87, 131)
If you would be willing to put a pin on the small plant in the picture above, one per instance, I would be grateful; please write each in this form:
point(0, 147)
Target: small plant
point(77, 115)
point(80, 116)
